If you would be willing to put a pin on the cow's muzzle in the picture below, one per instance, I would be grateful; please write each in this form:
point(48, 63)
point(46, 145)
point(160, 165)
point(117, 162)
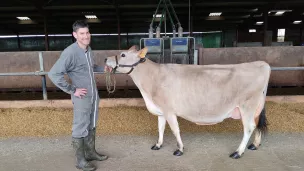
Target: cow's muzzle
point(108, 68)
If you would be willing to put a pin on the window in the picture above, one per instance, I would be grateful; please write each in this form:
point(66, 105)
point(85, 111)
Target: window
point(281, 35)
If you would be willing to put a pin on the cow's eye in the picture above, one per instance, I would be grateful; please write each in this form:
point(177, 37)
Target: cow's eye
point(123, 55)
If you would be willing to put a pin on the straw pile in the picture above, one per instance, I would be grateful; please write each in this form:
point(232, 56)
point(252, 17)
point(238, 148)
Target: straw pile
point(43, 122)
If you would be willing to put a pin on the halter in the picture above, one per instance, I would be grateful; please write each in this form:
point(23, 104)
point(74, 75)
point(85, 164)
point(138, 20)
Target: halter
point(131, 66)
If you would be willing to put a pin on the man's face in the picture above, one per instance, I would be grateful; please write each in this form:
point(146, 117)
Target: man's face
point(83, 36)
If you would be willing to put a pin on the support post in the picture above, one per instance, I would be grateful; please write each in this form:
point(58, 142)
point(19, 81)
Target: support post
point(223, 38)
point(236, 37)
point(118, 22)
point(128, 39)
point(189, 19)
point(193, 11)
point(19, 44)
point(46, 38)
point(42, 76)
point(265, 40)
point(72, 38)
point(301, 36)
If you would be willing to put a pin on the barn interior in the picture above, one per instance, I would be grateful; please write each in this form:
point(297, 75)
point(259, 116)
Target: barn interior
point(116, 24)
point(46, 26)
point(36, 116)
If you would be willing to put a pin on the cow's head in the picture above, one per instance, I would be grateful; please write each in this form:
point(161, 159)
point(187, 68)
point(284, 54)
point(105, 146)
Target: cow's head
point(126, 61)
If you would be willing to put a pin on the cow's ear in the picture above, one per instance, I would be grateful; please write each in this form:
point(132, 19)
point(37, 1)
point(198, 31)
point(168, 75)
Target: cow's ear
point(133, 48)
point(142, 53)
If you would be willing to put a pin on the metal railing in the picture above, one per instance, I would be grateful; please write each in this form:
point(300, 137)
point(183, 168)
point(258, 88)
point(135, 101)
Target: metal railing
point(286, 68)
point(37, 73)
point(43, 74)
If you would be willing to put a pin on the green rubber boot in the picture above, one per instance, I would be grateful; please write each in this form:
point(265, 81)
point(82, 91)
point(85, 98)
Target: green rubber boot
point(81, 162)
point(90, 151)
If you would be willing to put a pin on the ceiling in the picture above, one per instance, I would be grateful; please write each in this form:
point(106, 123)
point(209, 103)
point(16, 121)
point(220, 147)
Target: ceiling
point(136, 15)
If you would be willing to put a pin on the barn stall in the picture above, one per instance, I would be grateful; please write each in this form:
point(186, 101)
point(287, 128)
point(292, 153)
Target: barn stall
point(29, 112)
point(25, 96)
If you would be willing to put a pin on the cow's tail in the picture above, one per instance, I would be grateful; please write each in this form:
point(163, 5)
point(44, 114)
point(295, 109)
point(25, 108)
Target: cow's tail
point(263, 123)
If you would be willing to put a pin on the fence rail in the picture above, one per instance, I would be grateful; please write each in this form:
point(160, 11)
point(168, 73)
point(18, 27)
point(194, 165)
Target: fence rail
point(43, 74)
point(287, 68)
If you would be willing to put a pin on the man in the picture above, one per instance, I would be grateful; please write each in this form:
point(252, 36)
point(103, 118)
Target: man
point(77, 62)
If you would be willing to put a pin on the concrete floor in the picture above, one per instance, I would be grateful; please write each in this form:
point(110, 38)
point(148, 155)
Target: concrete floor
point(279, 152)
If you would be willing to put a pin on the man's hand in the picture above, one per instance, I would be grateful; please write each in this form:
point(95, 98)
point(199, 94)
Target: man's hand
point(80, 92)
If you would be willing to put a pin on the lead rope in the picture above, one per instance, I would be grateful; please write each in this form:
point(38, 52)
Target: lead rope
point(110, 81)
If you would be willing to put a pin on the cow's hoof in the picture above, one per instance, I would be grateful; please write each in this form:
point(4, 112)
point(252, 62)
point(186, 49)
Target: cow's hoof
point(235, 155)
point(154, 147)
point(252, 147)
point(178, 153)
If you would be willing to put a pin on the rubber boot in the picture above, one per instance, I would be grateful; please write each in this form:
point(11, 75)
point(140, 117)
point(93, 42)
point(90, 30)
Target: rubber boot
point(90, 151)
point(81, 162)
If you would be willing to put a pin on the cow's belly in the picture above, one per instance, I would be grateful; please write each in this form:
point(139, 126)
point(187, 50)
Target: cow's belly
point(152, 108)
point(212, 118)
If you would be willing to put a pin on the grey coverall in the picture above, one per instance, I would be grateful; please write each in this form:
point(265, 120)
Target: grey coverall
point(78, 64)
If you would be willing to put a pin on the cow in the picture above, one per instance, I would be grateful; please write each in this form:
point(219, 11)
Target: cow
point(202, 94)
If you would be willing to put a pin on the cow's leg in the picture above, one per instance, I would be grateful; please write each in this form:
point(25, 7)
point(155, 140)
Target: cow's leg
point(261, 122)
point(248, 126)
point(172, 121)
point(257, 141)
point(161, 130)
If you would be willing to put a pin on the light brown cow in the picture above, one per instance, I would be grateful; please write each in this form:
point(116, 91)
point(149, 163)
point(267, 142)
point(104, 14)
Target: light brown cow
point(203, 94)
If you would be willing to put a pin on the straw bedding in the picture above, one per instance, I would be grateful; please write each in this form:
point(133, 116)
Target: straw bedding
point(44, 122)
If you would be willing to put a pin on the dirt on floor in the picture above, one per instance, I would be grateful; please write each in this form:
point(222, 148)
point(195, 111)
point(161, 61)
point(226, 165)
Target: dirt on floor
point(44, 122)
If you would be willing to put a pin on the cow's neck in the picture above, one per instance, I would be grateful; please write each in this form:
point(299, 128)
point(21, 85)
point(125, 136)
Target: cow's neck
point(144, 74)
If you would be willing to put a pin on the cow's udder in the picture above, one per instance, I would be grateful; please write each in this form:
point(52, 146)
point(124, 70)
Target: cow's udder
point(235, 113)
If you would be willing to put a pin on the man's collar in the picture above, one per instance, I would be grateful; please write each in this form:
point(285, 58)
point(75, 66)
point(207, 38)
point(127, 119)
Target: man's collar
point(84, 50)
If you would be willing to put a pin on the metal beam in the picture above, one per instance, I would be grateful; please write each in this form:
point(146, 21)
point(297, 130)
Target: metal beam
point(111, 13)
point(22, 8)
point(225, 3)
point(145, 21)
point(73, 7)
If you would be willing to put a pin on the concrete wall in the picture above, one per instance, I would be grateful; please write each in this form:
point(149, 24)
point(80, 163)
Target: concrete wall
point(275, 56)
point(281, 56)
point(29, 62)
point(19, 62)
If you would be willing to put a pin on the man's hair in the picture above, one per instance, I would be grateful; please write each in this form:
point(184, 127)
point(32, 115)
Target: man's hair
point(79, 24)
